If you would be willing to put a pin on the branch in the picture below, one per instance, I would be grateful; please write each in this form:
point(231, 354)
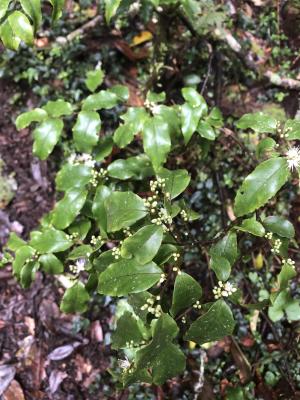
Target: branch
point(80, 31)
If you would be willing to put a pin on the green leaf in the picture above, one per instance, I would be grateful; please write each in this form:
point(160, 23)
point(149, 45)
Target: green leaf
point(138, 167)
point(94, 79)
point(58, 6)
point(21, 27)
point(67, 209)
point(103, 99)
point(46, 135)
point(136, 116)
point(73, 176)
point(171, 116)
point(153, 97)
point(82, 251)
point(58, 108)
point(144, 244)
point(221, 266)
point(127, 276)
point(292, 129)
point(287, 273)
point(124, 134)
point(284, 303)
point(163, 357)
point(104, 148)
point(195, 99)
point(123, 209)
point(226, 247)
point(8, 37)
point(190, 118)
point(27, 274)
point(25, 119)
point(121, 91)
point(206, 131)
point(265, 148)
point(85, 131)
point(216, 323)
point(175, 181)
point(280, 226)
point(186, 292)
point(33, 10)
point(104, 260)
point(165, 253)
point(51, 264)
point(81, 228)
point(4, 7)
point(127, 331)
point(23, 254)
point(98, 207)
point(14, 242)
point(259, 122)
point(50, 241)
point(252, 226)
point(261, 185)
point(111, 7)
point(156, 140)
point(75, 299)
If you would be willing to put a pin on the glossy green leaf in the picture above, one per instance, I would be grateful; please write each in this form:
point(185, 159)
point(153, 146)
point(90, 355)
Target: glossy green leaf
point(171, 115)
point(156, 140)
point(226, 247)
point(123, 209)
point(265, 148)
point(23, 254)
point(27, 274)
point(58, 108)
point(175, 181)
point(94, 79)
point(121, 91)
point(127, 331)
point(287, 273)
point(103, 148)
point(50, 241)
point(8, 37)
point(292, 129)
point(124, 134)
point(127, 276)
point(261, 185)
point(252, 226)
point(104, 260)
point(186, 292)
point(82, 251)
point(46, 135)
point(195, 99)
point(101, 100)
point(75, 299)
point(73, 176)
point(111, 7)
point(25, 119)
point(81, 228)
point(136, 116)
point(98, 207)
point(280, 226)
point(86, 130)
point(14, 242)
point(164, 254)
point(216, 323)
point(284, 304)
point(206, 131)
point(33, 9)
point(221, 267)
point(144, 244)
point(138, 167)
point(190, 117)
point(21, 27)
point(67, 209)
point(58, 6)
point(51, 264)
point(161, 355)
point(153, 97)
point(3, 7)
point(259, 122)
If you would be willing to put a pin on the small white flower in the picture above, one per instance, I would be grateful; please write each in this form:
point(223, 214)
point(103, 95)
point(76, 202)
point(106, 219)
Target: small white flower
point(124, 364)
point(293, 158)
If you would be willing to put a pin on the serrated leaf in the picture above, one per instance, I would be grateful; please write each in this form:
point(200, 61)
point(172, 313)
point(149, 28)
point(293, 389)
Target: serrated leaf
point(46, 135)
point(73, 176)
point(51, 264)
point(98, 207)
point(127, 276)
point(259, 122)
point(164, 358)
point(67, 209)
point(85, 131)
point(280, 226)
point(94, 79)
point(144, 244)
point(75, 299)
point(175, 181)
point(216, 323)
point(261, 185)
point(111, 7)
point(252, 226)
point(156, 140)
point(33, 10)
point(50, 241)
point(58, 108)
point(123, 209)
point(21, 27)
point(101, 100)
point(186, 292)
point(25, 119)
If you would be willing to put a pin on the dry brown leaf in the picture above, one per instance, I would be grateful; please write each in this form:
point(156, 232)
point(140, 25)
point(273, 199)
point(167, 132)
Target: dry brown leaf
point(55, 379)
point(14, 392)
point(63, 351)
point(96, 331)
point(7, 373)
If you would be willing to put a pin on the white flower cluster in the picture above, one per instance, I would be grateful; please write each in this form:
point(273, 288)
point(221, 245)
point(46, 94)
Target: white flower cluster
point(183, 320)
point(293, 158)
point(33, 257)
point(285, 133)
point(163, 277)
point(184, 215)
point(176, 256)
point(130, 345)
point(151, 203)
point(127, 232)
point(72, 236)
point(160, 183)
point(277, 245)
point(269, 235)
point(163, 218)
point(116, 252)
point(95, 240)
point(83, 158)
point(78, 266)
point(197, 305)
point(223, 290)
point(97, 175)
point(289, 261)
point(176, 269)
point(149, 306)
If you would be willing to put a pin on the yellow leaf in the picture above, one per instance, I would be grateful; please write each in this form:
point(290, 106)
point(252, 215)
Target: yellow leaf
point(258, 261)
point(192, 345)
point(142, 37)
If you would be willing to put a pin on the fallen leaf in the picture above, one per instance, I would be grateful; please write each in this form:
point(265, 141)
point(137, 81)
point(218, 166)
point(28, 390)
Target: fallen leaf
point(142, 37)
point(55, 379)
point(7, 373)
point(96, 331)
point(14, 392)
point(63, 351)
